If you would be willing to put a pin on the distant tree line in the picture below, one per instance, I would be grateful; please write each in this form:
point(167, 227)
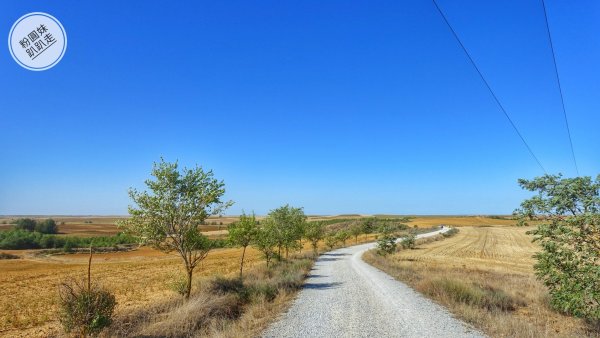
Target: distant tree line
point(47, 226)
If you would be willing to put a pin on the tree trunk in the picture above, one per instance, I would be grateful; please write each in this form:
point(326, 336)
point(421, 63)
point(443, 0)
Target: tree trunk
point(242, 263)
point(188, 291)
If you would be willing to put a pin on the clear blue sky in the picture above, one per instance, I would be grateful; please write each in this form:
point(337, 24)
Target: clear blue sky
point(336, 106)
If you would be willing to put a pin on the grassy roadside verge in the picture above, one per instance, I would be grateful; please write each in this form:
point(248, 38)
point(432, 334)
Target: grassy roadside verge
point(224, 306)
point(221, 306)
point(477, 284)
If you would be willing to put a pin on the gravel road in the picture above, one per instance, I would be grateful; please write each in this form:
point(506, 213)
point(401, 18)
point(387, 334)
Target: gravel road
point(346, 297)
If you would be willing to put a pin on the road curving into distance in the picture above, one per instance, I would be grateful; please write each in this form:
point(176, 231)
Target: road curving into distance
point(346, 297)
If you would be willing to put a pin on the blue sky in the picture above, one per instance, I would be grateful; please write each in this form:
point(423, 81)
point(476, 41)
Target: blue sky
point(337, 106)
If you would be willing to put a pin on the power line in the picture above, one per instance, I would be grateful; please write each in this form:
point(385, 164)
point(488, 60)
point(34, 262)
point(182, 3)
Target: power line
point(488, 86)
point(562, 100)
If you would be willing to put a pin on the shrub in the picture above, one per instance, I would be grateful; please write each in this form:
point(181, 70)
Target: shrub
point(450, 232)
point(47, 226)
point(409, 241)
point(568, 234)
point(27, 224)
point(85, 309)
point(178, 284)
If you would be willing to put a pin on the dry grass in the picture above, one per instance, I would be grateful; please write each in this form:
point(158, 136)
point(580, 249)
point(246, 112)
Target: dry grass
point(220, 307)
point(28, 297)
point(460, 221)
point(484, 275)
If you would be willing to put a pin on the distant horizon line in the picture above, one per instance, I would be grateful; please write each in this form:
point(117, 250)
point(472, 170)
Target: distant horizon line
point(238, 215)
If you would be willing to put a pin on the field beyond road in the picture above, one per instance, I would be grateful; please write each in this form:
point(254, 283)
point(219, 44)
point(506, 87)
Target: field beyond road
point(484, 275)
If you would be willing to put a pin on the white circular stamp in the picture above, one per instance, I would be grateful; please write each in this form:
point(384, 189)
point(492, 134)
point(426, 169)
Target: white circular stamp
point(37, 41)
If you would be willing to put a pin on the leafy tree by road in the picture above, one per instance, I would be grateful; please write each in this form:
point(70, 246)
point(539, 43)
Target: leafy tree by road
point(242, 233)
point(266, 240)
point(169, 214)
point(289, 227)
point(355, 230)
point(314, 232)
point(568, 211)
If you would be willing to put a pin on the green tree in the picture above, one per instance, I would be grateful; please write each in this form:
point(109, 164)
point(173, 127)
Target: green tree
point(331, 240)
point(368, 226)
point(355, 230)
point(409, 241)
point(289, 227)
point(242, 233)
point(266, 240)
point(314, 232)
point(342, 236)
point(27, 224)
point(47, 226)
point(169, 215)
point(568, 231)
point(386, 244)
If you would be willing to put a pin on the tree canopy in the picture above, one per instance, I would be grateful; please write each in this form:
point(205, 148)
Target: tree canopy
point(167, 216)
point(567, 211)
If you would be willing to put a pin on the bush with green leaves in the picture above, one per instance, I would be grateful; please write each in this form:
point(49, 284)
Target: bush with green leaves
point(409, 241)
point(47, 226)
point(21, 239)
point(567, 211)
point(27, 224)
point(386, 244)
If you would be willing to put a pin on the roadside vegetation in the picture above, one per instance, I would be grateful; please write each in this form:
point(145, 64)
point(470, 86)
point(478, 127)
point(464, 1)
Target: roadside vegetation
point(22, 239)
point(485, 276)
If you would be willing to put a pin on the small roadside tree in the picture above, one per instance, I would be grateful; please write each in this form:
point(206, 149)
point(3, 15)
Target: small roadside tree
point(266, 240)
point(314, 232)
point(342, 236)
point(409, 241)
point(568, 231)
point(386, 244)
point(242, 233)
point(368, 226)
point(168, 216)
point(331, 240)
point(289, 227)
point(355, 230)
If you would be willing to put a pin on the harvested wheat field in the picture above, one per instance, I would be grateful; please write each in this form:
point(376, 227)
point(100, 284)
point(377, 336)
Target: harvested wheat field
point(28, 297)
point(485, 276)
point(461, 221)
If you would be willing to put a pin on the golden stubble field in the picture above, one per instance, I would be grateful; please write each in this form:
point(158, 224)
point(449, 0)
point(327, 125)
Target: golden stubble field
point(28, 296)
point(485, 257)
